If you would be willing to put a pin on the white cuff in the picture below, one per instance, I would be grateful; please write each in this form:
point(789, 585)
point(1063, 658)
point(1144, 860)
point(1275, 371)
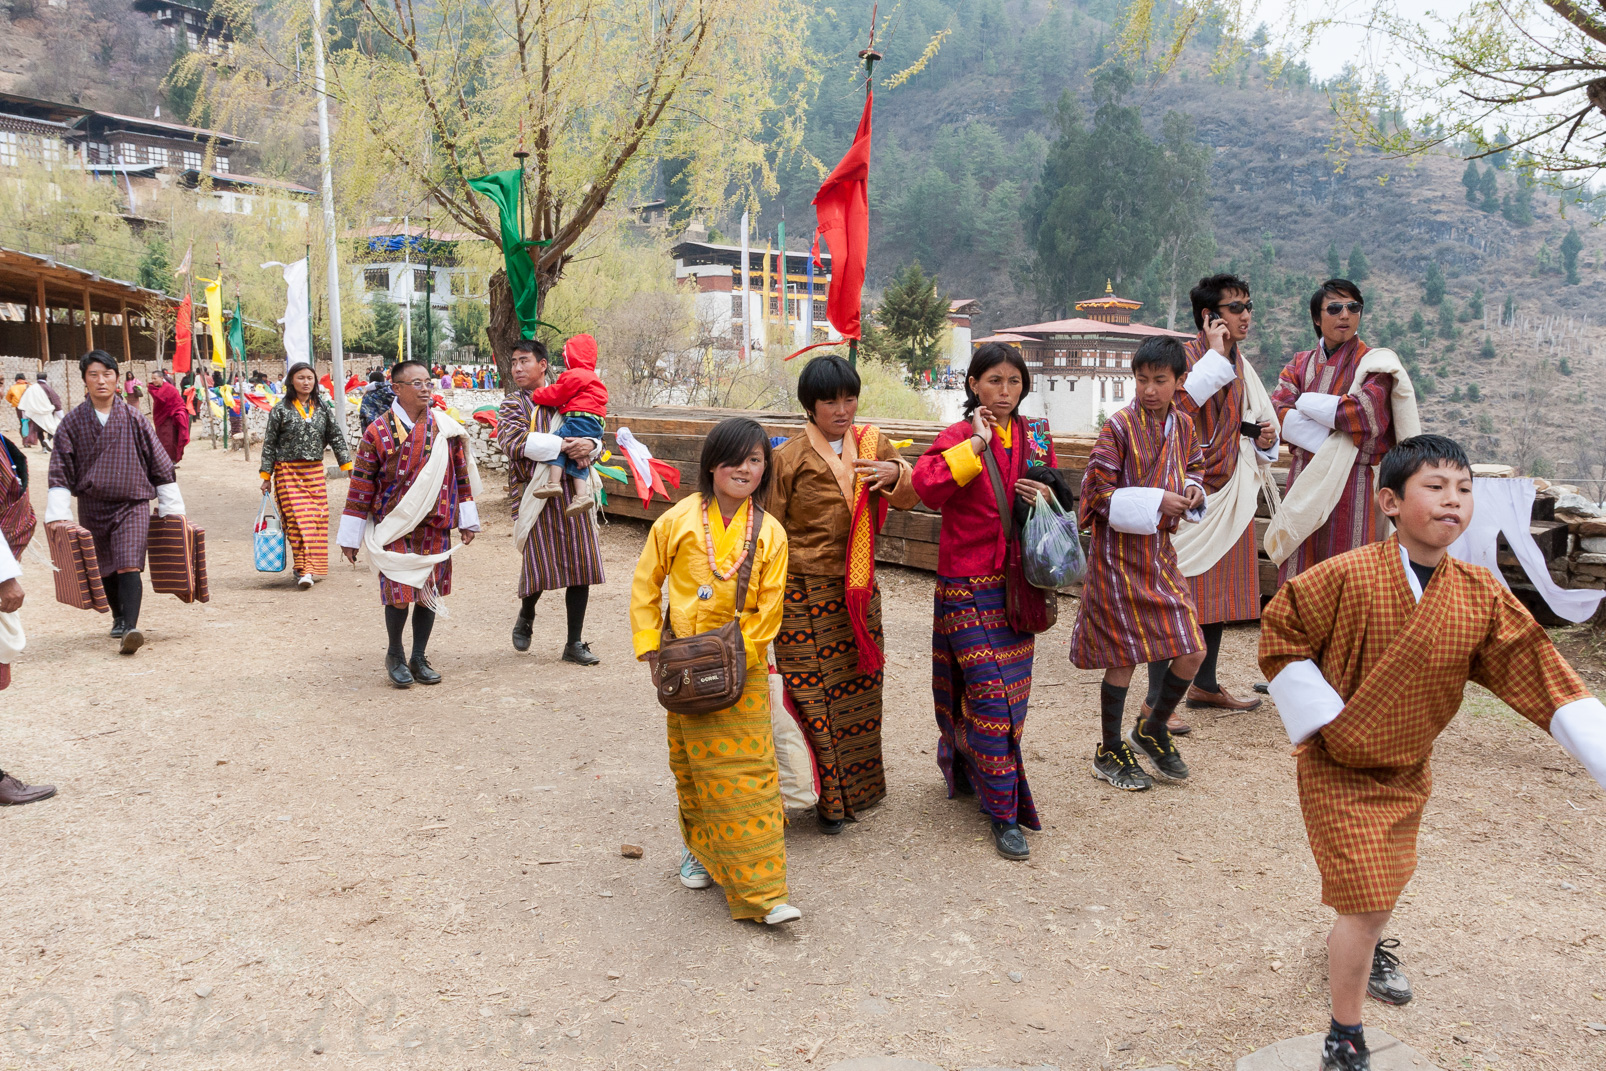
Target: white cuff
point(1304, 699)
point(1303, 432)
point(539, 446)
point(169, 503)
point(596, 449)
point(58, 505)
point(350, 534)
point(1136, 510)
point(1270, 453)
point(1580, 728)
point(1322, 408)
point(10, 568)
point(468, 516)
point(1210, 374)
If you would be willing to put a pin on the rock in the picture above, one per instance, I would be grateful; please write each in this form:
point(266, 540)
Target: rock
point(1496, 471)
point(1016, 976)
point(203, 991)
point(1594, 527)
point(631, 851)
point(1592, 544)
point(1592, 558)
point(882, 1063)
point(614, 976)
point(1301, 1054)
point(1571, 502)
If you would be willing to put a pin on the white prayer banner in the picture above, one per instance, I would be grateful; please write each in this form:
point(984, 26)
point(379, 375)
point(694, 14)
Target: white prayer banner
point(296, 341)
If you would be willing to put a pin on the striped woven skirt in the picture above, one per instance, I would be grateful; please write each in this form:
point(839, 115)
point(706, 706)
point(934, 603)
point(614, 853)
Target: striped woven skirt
point(1230, 589)
point(302, 495)
point(1354, 522)
point(841, 708)
point(121, 531)
point(730, 799)
point(981, 679)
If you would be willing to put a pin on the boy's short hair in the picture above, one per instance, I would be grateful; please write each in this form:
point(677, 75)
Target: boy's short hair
point(396, 369)
point(1332, 288)
point(1161, 351)
point(1411, 456)
point(825, 379)
point(1207, 295)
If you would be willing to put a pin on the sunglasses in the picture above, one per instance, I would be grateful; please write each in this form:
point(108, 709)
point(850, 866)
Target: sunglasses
point(1336, 307)
point(1237, 308)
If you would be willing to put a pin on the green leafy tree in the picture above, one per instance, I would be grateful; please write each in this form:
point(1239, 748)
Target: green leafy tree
point(1474, 309)
point(1517, 208)
point(1335, 267)
point(469, 319)
point(384, 317)
point(1487, 352)
point(1359, 266)
point(1455, 393)
point(1447, 320)
point(915, 316)
point(1570, 247)
point(1182, 221)
point(1419, 326)
point(1433, 284)
point(431, 333)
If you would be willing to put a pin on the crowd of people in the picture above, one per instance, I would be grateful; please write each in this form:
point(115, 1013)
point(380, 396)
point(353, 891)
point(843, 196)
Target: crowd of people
point(1367, 644)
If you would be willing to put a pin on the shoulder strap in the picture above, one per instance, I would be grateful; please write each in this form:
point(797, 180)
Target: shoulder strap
point(747, 562)
point(991, 464)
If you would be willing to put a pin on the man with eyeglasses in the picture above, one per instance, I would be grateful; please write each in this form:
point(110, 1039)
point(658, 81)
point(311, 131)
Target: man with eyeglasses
point(1343, 405)
point(1232, 415)
point(408, 538)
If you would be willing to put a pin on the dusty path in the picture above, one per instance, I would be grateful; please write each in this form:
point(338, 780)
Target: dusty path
point(259, 848)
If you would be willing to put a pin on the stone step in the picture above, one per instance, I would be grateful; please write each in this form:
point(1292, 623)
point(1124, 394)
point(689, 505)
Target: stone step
point(1305, 1054)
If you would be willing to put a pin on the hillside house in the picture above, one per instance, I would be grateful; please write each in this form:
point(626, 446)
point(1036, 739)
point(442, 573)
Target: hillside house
point(203, 31)
point(407, 265)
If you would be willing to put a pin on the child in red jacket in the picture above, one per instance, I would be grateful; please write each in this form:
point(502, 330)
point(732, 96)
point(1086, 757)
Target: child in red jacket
point(581, 399)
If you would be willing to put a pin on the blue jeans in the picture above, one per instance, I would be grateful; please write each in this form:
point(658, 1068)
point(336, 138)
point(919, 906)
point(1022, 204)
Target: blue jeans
point(578, 426)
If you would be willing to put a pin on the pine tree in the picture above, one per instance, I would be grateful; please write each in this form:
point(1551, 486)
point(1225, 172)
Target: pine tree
point(1335, 267)
point(1359, 268)
point(1433, 284)
point(1447, 320)
point(1475, 306)
point(1487, 353)
point(1490, 187)
point(1565, 367)
point(1473, 393)
point(1455, 394)
point(1472, 181)
point(915, 315)
point(1508, 311)
point(1419, 326)
point(1570, 246)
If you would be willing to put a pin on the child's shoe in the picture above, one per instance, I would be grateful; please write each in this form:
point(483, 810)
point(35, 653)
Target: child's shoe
point(1163, 752)
point(692, 873)
point(1120, 768)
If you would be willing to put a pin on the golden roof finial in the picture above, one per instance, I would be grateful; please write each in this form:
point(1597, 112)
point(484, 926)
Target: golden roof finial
point(1107, 288)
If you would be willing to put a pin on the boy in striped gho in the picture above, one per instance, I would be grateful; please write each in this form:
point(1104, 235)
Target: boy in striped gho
point(1368, 654)
point(1143, 478)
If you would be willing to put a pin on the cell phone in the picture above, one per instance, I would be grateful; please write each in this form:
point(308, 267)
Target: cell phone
point(1249, 429)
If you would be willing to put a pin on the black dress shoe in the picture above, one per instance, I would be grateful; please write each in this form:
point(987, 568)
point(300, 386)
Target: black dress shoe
point(522, 628)
point(398, 671)
point(118, 628)
point(1010, 841)
point(832, 826)
point(579, 652)
point(423, 672)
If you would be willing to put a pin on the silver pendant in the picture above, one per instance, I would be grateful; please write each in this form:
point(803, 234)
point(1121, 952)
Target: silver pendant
point(705, 592)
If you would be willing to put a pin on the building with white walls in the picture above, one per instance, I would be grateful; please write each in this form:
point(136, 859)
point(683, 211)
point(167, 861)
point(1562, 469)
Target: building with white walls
point(716, 270)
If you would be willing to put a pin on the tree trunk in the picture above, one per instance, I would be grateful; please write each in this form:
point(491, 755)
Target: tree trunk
point(503, 330)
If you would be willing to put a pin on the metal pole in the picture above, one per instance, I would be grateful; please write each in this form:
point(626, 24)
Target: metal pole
point(429, 297)
point(747, 298)
point(331, 249)
point(407, 277)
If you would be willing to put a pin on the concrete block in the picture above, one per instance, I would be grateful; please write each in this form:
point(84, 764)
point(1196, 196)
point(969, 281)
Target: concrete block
point(1304, 1054)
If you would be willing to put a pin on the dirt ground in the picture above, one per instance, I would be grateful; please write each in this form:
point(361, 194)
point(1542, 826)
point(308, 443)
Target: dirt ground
point(260, 850)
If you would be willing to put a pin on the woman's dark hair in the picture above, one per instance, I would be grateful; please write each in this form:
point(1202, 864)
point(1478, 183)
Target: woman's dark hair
point(1161, 351)
point(729, 444)
point(1332, 288)
point(290, 388)
point(1207, 295)
point(1410, 456)
point(825, 379)
point(100, 357)
point(985, 357)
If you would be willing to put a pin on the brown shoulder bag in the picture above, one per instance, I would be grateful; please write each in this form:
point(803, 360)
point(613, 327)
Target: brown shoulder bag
point(705, 672)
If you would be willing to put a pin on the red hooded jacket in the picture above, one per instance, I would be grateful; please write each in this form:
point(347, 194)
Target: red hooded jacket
point(578, 389)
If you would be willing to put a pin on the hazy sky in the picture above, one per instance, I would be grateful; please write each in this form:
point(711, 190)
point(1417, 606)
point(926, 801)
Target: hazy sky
point(1341, 44)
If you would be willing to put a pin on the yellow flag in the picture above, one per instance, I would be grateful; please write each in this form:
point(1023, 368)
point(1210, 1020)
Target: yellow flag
point(214, 321)
point(401, 341)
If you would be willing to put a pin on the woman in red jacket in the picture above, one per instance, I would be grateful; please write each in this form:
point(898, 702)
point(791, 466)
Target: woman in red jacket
point(981, 667)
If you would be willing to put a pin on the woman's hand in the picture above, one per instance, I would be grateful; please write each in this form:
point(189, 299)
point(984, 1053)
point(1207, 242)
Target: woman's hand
point(1174, 505)
point(982, 423)
point(878, 475)
point(1028, 490)
point(651, 658)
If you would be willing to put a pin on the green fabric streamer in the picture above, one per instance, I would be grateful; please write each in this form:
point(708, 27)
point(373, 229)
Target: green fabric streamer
point(237, 332)
point(502, 188)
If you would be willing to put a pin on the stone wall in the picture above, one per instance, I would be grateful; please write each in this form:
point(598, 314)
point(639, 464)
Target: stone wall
point(465, 402)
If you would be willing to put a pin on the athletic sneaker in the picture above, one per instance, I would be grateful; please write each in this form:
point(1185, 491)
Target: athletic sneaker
point(1163, 753)
point(304, 581)
point(692, 874)
point(1342, 1054)
point(782, 913)
point(1387, 983)
point(1120, 768)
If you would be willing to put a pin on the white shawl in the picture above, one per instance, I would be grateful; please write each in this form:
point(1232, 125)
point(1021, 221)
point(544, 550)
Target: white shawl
point(36, 405)
point(1232, 509)
point(1313, 496)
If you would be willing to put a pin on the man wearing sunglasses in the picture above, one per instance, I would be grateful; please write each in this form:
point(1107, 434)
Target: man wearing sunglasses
point(1238, 434)
point(1344, 404)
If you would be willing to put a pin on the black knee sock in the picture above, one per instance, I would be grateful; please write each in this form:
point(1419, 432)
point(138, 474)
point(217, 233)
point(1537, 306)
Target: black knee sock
point(1112, 704)
point(114, 594)
point(395, 620)
point(1205, 679)
point(574, 600)
point(423, 622)
point(1171, 691)
point(527, 606)
point(1156, 678)
point(132, 592)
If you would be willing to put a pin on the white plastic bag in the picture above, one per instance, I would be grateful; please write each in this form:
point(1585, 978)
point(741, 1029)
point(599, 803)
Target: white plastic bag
point(794, 759)
point(1051, 548)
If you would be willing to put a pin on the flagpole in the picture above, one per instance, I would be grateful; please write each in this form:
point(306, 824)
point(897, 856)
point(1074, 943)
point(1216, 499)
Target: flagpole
point(331, 246)
point(780, 283)
point(245, 372)
point(869, 55)
point(747, 297)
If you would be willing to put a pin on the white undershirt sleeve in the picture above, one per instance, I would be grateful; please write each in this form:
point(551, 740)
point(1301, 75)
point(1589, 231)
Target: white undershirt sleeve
point(1210, 374)
point(1136, 510)
point(10, 569)
point(58, 505)
point(1270, 453)
point(1304, 432)
point(540, 446)
point(1304, 699)
point(169, 503)
point(1322, 408)
point(468, 516)
point(1580, 728)
point(350, 533)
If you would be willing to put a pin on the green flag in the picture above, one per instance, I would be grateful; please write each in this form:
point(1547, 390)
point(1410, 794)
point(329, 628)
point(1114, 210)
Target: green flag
point(237, 332)
point(503, 189)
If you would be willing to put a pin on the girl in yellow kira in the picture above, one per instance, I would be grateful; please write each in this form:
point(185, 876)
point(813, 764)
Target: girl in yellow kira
point(731, 818)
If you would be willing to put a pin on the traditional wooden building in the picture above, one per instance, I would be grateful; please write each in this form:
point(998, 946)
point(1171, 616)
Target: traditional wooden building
point(716, 270)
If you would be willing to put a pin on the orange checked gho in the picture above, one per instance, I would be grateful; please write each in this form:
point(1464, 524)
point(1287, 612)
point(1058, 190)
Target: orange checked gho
point(1367, 669)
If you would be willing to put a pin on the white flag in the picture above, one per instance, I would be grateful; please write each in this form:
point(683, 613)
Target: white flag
point(297, 344)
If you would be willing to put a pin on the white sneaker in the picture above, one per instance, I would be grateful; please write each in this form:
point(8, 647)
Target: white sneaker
point(692, 873)
point(304, 581)
point(782, 913)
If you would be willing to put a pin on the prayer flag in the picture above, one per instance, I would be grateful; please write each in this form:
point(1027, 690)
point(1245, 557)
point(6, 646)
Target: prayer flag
point(182, 333)
point(503, 190)
point(214, 321)
point(843, 209)
point(184, 265)
point(237, 332)
point(296, 304)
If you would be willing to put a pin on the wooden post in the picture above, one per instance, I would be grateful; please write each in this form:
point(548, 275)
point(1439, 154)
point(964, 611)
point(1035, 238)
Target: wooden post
point(44, 324)
point(128, 352)
point(89, 326)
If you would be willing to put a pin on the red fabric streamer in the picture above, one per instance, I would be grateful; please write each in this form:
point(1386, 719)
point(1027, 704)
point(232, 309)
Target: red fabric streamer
point(181, 333)
point(843, 208)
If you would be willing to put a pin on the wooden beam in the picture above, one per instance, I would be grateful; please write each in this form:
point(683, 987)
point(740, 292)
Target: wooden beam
point(44, 323)
point(122, 309)
point(89, 325)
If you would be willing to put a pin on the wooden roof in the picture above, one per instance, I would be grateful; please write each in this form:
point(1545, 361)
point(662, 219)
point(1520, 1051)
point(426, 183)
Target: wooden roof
point(21, 273)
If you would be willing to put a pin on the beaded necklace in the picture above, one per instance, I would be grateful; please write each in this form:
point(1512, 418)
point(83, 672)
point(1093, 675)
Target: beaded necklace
point(706, 591)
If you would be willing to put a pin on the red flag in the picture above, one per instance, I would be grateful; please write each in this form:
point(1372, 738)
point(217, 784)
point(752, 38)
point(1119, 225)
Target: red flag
point(353, 383)
point(323, 381)
point(181, 331)
point(843, 209)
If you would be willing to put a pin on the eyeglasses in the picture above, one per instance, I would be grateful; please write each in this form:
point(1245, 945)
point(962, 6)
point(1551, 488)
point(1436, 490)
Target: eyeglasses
point(416, 384)
point(1237, 308)
point(1336, 307)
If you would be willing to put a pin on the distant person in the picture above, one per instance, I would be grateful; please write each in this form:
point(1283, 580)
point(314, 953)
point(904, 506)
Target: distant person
point(169, 416)
point(42, 405)
point(376, 400)
point(132, 391)
point(300, 428)
point(14, 394)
